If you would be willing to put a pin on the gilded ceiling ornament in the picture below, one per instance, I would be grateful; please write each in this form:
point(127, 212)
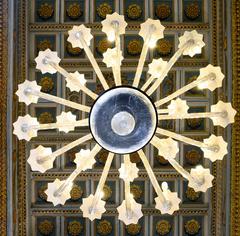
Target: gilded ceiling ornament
point(104, 227)
point(192, 227)
point(191, 194)
point(163, 11)
point(45, 118)
point(194, 123)
point(136, 191)
point(134, 47)
point(164, 47)
point(73, 51)
point(192, 11)
point(74, 11)
point(76, 192)
point(162, 160)
point(134, 157)
point(75, 228)
point(47, 84)
point(193, 157)
point(107, 192)
point(45, 227)
point(163, 227)
point(133, 229)
point(103, 45)
point(70, 155)
point(104, 9)
point(41, 192)
point(44, 44)
point(102, 156)
point(45, 11)
point(134, 11)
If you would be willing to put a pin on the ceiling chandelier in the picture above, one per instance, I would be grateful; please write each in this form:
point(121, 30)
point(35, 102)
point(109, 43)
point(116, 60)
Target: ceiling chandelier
point(123, 119)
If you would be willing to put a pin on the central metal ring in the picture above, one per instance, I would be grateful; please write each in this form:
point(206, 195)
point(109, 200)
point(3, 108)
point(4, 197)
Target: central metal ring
point(123, 120)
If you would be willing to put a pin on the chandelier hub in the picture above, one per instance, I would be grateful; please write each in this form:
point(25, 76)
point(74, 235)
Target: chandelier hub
point(123, 120)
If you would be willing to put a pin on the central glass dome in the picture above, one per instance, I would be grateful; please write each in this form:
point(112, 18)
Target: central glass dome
point(123, 120)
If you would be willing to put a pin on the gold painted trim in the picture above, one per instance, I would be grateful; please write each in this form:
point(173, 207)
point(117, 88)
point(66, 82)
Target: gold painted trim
point(235, 165)
point(3, 116)
point(97, 26)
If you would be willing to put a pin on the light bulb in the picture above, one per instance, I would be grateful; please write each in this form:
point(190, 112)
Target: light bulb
point(111, 37)
point(152, 44)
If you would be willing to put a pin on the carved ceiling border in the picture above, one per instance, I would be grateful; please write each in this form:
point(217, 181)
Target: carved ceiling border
point(235, 166)
point(3, 116)
point(97, 26)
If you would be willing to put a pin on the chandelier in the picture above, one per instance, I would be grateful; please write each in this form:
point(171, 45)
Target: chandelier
point(123, 119)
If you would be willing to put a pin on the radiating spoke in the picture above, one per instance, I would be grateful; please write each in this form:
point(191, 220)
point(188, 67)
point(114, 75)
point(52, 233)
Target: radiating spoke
point(191, 116)
point(152, 177)
point(79, 123)
point(94, 63)
point(170, 64)
point(184, 89)
point(99, 190)
point(61, 101)
point(80, 167)
point(74, 80)
point(66, 148)
point(181, 138)
point(127, 188)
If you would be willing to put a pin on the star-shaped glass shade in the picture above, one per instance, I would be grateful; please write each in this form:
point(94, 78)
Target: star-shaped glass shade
point(227, 116)
point(66, 117)
point(78, 33)
point(151, 30)
point(214, 77)
point(25, 127)
point(58, 197)
point(44, 60)
point(24, 92)
point(110, 57)
point(168, 148)
point(156, 68)
point(192, 42)
point(132, 215)
point(36, 160)
point(76, 81)
point(128, 172)
point(171, 204)
point(84, 160)
point(178, 108)
point(112, 23)
point(216, 148)
point(89, 212)
point(201, 179)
